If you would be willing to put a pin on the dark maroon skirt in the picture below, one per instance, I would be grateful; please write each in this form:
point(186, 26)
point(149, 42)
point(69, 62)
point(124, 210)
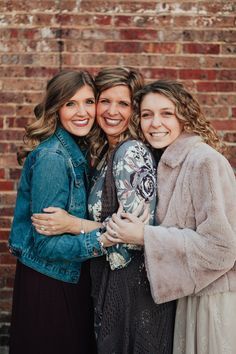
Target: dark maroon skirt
point(50, 316)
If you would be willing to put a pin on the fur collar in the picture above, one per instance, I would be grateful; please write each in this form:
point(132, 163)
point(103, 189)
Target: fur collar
point(176, 152)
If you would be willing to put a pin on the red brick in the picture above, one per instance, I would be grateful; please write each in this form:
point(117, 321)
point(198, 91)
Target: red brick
point(6, 110)
point(11, 135)
point(13, 97)
point(2, 173)
point(197, 74)
point(224, 124)
point(7, 198)
point(4, 235)
point(5, 222)
point(168, 48)
point(138, 34)
point(19, 122)
point(14, 173)
point(6, 211)
point(197, 48)
point(156, 74)
point(226, 75)
point(40, 72)
point(123, 47)
point(6, 186)
point(215, 86)
point(234, 112)
point(101, 20)
point(7, 259)
point(8, 147)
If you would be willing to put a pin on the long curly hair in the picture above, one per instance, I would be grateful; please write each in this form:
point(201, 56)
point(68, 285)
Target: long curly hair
point(107, 78)
point(59, 90)
point(188, 111)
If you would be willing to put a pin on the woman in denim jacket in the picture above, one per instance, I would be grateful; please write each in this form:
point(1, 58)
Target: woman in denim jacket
point(52, 309)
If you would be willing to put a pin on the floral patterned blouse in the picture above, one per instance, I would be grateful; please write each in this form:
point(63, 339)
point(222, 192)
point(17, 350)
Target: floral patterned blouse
point(134, 173)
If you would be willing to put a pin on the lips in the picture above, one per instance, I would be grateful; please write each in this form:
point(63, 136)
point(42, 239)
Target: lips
point(81, 122)
point(112, 122)
point(158, 134)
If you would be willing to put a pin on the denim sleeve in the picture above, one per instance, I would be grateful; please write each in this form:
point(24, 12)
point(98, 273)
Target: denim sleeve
point(50, 186)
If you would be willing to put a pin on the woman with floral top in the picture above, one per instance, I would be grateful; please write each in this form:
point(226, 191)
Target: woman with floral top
point(126, 318)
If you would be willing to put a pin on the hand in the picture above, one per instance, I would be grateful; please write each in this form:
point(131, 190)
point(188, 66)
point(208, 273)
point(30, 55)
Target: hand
point(130, 229)
point(105, 241)
point(55, 221)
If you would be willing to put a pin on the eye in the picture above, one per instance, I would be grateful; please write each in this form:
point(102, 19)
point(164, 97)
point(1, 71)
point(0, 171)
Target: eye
point(146, 115)
point(70, 104)
point(168, 114)
point(103, 100)
point(124, 104)
point(90, 101)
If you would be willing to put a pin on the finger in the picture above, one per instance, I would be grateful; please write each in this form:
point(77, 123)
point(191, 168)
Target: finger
point(145, 213)
point(117, 221)
point(51, 209)
point(113, 232)
point(40, 216)
point(146, 221)
point(139, 208)
point(37, 222)
point(45, 232)
point(114, 240)
point(131, 218)
point(120, 210)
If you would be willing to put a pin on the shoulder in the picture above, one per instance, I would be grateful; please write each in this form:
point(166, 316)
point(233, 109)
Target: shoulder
point(203, 154)
point(132, 149)
point(49, 150)
point(204, 160)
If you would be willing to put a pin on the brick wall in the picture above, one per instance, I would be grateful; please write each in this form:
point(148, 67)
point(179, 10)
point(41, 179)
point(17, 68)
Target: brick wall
point(193, 41)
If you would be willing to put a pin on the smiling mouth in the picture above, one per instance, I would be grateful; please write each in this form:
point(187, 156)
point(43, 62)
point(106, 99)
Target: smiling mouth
point(112, 122)
point(158, 134)
point(80, 123)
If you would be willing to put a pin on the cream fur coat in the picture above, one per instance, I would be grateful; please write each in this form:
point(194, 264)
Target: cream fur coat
point(193, 251)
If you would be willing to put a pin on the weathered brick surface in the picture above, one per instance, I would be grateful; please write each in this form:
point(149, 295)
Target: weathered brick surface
point(192, 41)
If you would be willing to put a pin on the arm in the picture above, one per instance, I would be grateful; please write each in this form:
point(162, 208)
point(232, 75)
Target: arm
point(134, 176)
point(56, 221)
point(66, 246)
point(183, 261)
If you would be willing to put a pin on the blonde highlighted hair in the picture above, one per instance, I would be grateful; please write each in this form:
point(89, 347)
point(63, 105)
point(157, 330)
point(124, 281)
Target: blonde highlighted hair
point(187, 108)
point(59, 90)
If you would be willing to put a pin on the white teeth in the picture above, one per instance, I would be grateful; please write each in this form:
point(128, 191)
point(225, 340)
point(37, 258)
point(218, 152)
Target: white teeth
point(81, 122)
point(112, 122)
point(158, 134)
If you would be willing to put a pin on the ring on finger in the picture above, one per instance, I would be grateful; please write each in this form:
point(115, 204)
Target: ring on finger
point(42, 228)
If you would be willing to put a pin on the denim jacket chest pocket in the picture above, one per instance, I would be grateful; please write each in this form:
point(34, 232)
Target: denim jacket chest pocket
point(78, 196)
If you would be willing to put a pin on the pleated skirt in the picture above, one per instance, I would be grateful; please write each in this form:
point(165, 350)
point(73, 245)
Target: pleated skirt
point(51, 316)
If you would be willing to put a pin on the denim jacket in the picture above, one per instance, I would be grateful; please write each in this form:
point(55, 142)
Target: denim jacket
point(54, 174)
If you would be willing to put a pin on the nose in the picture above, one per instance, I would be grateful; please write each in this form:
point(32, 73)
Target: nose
point(156, 122)
point(112, 109)
point(81, 111)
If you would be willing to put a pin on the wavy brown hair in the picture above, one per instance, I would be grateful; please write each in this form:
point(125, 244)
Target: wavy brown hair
point(187, 108)
point(59, 90)
point(107, 78)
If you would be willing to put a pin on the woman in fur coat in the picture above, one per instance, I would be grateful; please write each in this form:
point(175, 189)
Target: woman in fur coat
point(190, 255)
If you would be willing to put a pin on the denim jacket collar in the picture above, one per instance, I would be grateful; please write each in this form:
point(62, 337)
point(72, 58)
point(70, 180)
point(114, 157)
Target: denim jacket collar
point(71, 147)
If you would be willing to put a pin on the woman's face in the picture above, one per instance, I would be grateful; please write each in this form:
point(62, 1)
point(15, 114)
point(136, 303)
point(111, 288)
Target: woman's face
point(114, 109)
point(77, 115)
point(159, 123)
